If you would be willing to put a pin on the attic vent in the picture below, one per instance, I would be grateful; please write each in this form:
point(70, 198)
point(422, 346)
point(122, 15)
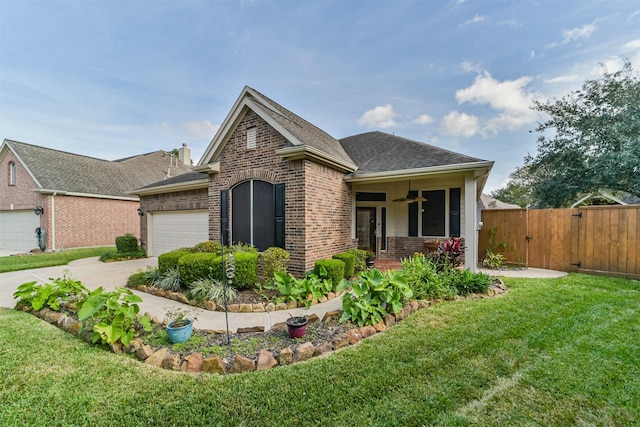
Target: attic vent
point(251, 138)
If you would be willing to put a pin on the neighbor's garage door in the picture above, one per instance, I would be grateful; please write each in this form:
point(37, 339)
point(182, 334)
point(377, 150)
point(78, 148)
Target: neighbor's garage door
point(177, 229)
point(18, 230)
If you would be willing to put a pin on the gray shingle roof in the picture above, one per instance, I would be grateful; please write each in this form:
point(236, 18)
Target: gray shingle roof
point(302, 129)
point(180, 179)
point(382, 152)
point(68, 172)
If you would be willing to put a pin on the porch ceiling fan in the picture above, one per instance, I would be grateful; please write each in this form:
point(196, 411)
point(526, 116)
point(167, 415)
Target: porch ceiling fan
point(409, 199)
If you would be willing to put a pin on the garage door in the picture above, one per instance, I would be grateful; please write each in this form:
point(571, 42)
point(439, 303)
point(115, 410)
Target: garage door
point(177, 229)
point(18, 230)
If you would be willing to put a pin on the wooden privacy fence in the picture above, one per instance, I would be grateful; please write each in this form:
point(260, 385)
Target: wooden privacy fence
point(592, 239)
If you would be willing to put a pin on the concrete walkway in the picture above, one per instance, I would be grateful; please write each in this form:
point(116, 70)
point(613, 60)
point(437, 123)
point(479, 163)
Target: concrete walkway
point(93, 273)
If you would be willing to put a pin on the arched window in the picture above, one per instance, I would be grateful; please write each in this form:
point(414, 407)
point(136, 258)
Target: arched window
point(12, 173)
point(257, 214)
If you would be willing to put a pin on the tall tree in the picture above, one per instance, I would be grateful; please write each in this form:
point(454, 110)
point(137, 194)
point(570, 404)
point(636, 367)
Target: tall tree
point(593, 141)
point(517, 191)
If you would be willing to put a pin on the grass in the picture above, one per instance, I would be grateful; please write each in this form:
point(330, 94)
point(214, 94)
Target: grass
point(550, 352)
point(48, 259)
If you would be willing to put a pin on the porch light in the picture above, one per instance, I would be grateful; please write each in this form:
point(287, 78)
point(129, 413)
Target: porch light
point(38, 210)
point(140, 212)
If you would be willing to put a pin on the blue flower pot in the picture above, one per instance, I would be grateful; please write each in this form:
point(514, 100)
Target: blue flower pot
point(179, 332)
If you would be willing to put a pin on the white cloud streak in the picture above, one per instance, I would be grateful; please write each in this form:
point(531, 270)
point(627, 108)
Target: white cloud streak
point(578, 33)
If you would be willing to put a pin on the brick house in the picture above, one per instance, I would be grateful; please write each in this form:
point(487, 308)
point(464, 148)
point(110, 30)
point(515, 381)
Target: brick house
point(75, 201)
point(271, 178)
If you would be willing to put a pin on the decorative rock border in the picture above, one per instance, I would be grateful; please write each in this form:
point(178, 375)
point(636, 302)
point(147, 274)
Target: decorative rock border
point(232, 308)
point(265, 359)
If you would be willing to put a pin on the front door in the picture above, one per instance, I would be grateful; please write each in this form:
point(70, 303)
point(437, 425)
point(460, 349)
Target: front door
point(366, 228)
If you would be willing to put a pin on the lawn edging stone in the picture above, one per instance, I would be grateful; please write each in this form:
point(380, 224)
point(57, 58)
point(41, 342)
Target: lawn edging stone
point(265, 359)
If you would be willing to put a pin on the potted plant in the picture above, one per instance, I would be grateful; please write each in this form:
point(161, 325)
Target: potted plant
point(179, 325)
point(297, 326)
point(370, 259)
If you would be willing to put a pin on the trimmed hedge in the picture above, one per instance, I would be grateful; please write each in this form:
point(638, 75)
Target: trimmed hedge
point(334, 267)
point(127, 243)
point(196, 266)
point(273, 260)
point(210, 246)
point(246, 269)
point(349, 260)
point(169, 260)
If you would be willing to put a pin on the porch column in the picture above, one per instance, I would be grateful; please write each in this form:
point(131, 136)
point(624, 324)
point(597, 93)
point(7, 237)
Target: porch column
point(470, 222)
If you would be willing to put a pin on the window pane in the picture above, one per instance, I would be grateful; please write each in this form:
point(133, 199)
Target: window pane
point(433, 213)
point(454, 212)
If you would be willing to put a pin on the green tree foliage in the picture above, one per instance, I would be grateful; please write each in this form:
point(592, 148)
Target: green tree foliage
point(590, 142)
point(517, 191)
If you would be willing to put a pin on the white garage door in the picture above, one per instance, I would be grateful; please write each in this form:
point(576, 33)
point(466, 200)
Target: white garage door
point(177, 229)
point(18, 230)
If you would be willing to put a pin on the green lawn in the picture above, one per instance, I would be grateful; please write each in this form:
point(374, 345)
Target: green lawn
point(15, 263)
point(552, 352)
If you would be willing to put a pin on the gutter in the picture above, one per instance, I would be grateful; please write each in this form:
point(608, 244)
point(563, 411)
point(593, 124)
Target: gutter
point(75, 194)
point(483, 169)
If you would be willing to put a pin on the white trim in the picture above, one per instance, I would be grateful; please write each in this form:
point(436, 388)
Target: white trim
point(312, 153)
point(94, 196)
point(481, 168)
point(172, 188)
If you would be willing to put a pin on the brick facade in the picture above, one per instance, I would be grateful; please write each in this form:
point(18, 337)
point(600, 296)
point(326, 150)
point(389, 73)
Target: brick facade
point(317, 200)
point(20, 195)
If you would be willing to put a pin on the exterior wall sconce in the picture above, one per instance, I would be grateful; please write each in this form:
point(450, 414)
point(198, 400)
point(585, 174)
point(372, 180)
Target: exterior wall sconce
point(140, 212)
point(38, 210)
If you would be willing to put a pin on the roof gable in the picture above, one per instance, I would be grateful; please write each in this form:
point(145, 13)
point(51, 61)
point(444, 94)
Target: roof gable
point(304, 137)
point(63, 172)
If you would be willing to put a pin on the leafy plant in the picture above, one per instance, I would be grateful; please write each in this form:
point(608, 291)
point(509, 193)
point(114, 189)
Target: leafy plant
point(465, 282)
point(177, 315)
point(330, 268)
point(375, 295)
point(127, 243)
point(113, 315)
point(152, 275)
point(53, 294)
point(494, 261)
point(210, 289)
point(170, 280)
point(360, 262)
point(422, 276)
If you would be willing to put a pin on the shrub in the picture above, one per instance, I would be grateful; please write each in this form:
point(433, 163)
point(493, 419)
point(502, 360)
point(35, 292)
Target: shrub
point(127, 243)
point(210, 246)
point(422, 276)
point(465, 282)
point(195, 266)
point(243, 247)
point(273, 260)
point(53, 294)
point(169, 260)
point(210, 289)
point(360, 262)
point(334, 267)
point(138, 278)
point(246, 272)
point(349, 260)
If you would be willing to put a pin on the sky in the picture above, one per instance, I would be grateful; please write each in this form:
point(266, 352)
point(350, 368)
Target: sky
point(112, 79)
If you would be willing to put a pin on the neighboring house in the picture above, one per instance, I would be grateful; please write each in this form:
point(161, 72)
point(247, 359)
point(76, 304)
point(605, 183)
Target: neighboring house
point(488, 202)
point(74, 200)
point(270, 178)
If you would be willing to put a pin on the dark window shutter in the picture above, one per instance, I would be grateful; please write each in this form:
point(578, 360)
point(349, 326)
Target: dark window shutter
point(224, 217)
point(278, 199)
point(454, 212)
point(413, 214)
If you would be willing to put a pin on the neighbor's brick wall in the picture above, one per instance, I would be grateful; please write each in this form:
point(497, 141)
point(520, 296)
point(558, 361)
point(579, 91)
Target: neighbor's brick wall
point(308, 217)
point(20, 195)
point(85, 221)
point(179, 200)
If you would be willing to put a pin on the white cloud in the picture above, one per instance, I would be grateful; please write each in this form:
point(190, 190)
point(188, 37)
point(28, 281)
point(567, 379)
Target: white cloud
point(423, 119)
point(474, 20)
point(633, 44)
point(569, 78)
point(460, 124)
point(381, 116)
point(509, 97)
point(201, 129)
point(471, 67)
point(578, 33)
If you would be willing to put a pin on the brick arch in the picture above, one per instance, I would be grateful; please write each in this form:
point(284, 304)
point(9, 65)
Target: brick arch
point(246, 175)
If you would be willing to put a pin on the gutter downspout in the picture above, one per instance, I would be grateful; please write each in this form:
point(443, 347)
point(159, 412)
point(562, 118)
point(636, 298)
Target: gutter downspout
point(53, 222)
